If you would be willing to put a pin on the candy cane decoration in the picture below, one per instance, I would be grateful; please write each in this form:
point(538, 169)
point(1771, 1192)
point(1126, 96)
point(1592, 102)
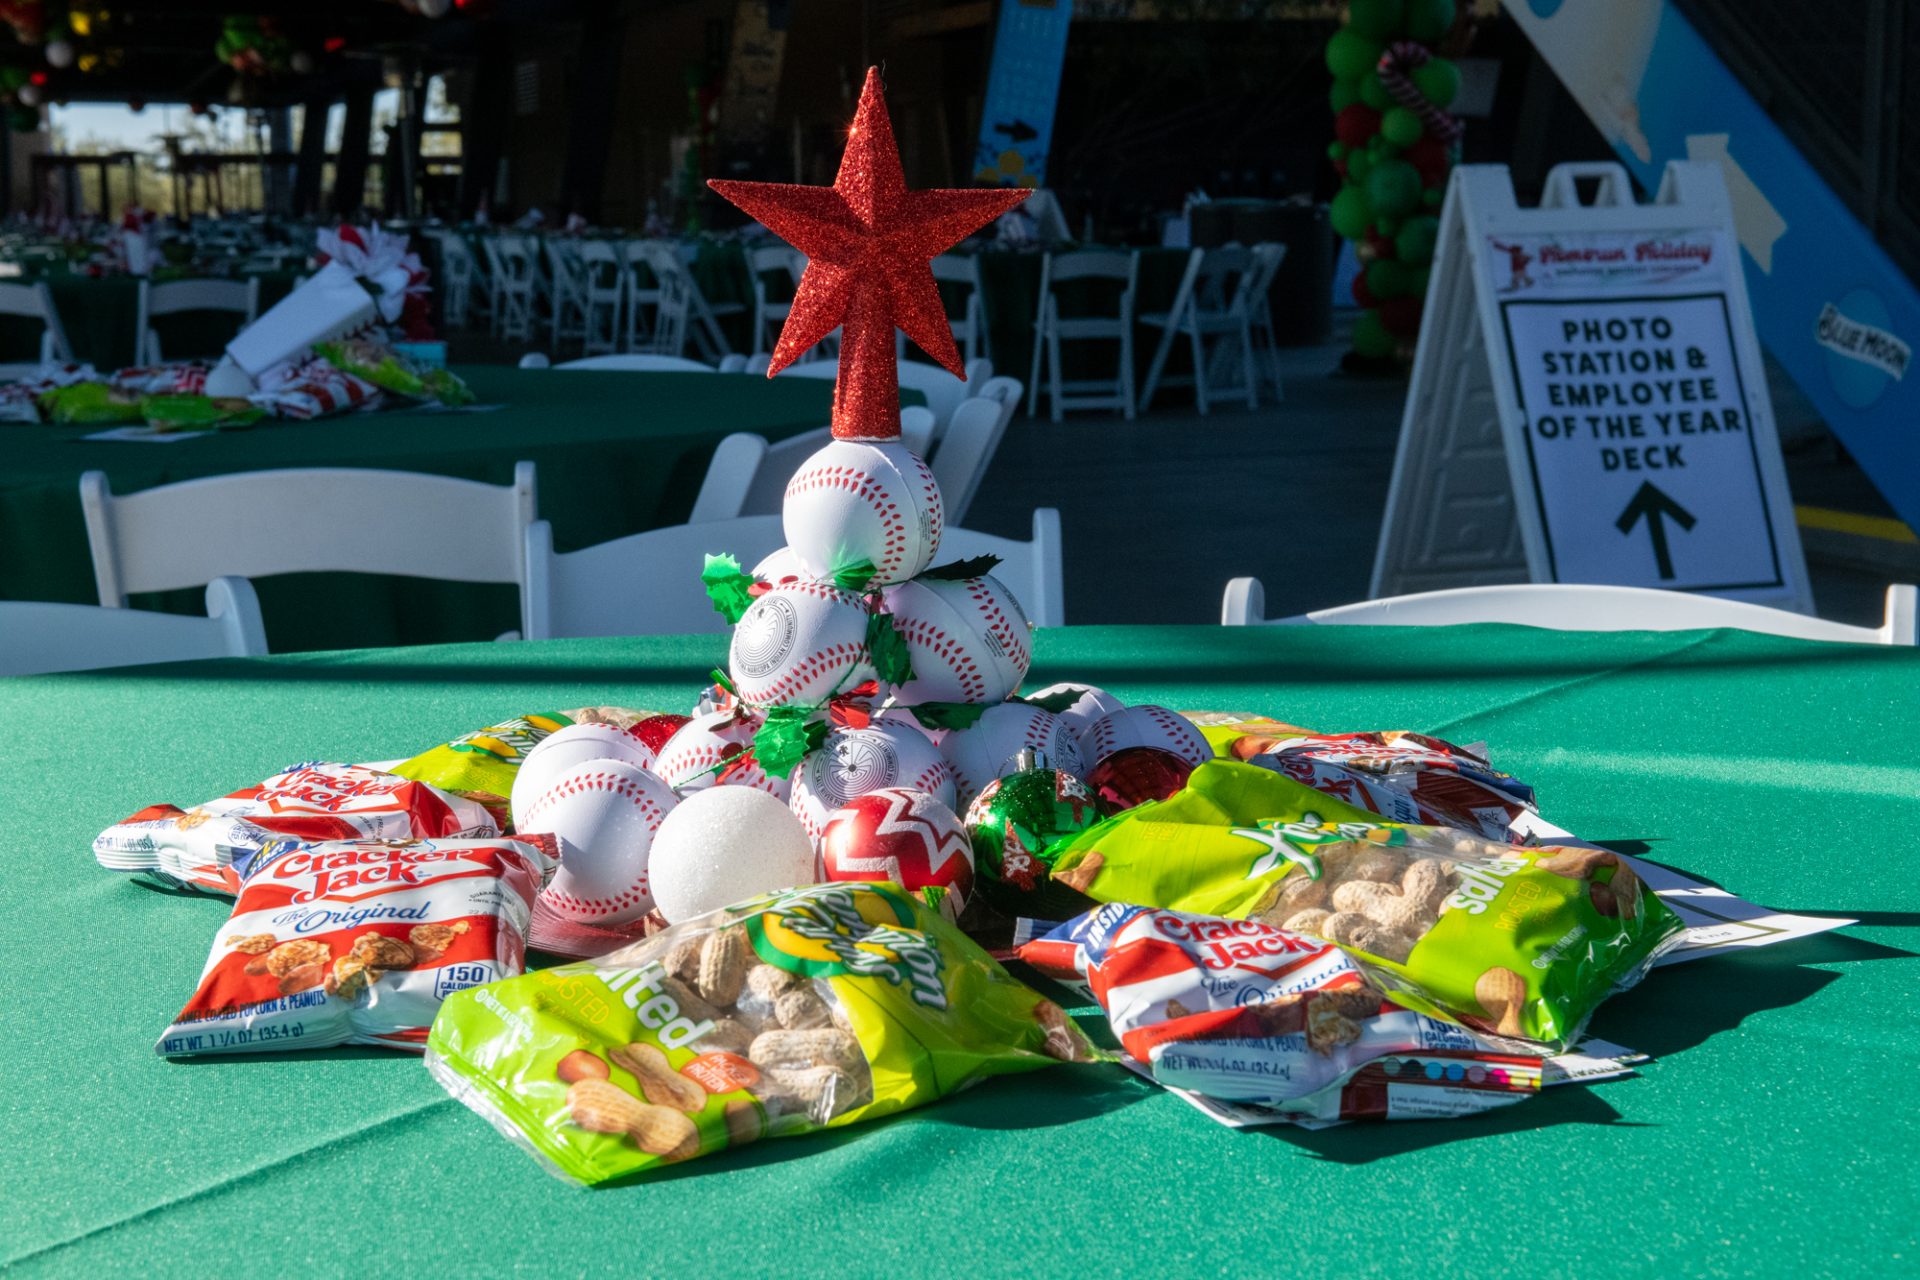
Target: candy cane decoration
point(1401, 57)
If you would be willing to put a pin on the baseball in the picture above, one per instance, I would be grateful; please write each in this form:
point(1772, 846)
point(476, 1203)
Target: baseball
point(986, 749)
point(712, 749)
point(564, 748)
point(605, 814)
point(1145, 726)
point(874, 502)
point(905, 837)
point(798, 644)
point(852, 762)
point(1079, 715)
point(724, 846)
point(968, 639)
point(782, 566)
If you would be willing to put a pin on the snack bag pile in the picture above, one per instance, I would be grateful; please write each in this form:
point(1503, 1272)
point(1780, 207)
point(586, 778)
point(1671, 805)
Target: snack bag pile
point(1513, 941)
point(1247, 1012)
point(819, 1007)
point(381, 365)
point(480, 766)
point(358, 942)
point(213, 845)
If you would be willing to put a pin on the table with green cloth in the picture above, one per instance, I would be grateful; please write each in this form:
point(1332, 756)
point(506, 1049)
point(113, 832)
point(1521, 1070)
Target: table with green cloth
point(1773, 1132)
point(100, 314)
point(615, 452)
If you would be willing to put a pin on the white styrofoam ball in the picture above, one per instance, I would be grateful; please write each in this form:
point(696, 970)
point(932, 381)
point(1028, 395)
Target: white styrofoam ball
point(799, 643)
point(987, 748)
point(855, 501)
point(968, 639)
point(564, 748)
point(607, 815)
point(724, 846)
point(1146, 726)
point(783, 566)
point(853, 762)
point(1079, 714)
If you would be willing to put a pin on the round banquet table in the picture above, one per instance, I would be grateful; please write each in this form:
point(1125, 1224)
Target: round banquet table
point(1774, 1129)
point(616, 453)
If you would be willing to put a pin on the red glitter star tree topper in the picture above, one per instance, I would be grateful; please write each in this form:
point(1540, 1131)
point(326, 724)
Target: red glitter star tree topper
point(868, 241)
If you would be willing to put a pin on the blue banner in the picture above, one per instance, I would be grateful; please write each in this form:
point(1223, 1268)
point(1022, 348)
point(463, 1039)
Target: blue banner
point(1023, 85)
point(1828, 302)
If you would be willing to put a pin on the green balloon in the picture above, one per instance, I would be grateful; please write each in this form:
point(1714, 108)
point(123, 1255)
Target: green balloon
point(1376, 19)
point(1401, 127)
point(1419, 282)
point(12, 78)
point(1351, 55)
point(1374, 93)
point(1428, 20)
point(1350, 213)
point(1343, 94)
point(1336, 151)
point(1357, 165)
point(1438, 81)
point(1416, 238)
point(1385, 279)
point(1431, 198)
point(1370, 336)
point(1393, 188)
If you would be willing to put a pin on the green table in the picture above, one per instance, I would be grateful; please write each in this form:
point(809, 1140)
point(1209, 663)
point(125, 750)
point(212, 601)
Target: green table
point(100, 314)
point(616, 453)
point(1773, 1134)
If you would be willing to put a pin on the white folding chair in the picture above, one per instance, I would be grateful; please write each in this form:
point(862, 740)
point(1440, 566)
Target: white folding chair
point(536, 360)
point(708, 337)
point(1269, 255)
point(37, 638)
point(734, 362)
point(242, 297)
point(1214, 300)
point(601, 281)
point(1031, 570)
point(748, 476)
point(671, 298)
point(1577, 607)
point(457, 277)
point(758, 363)
point(768, 314)
point(1051, 328)
point(966, 451)
point(644, 584)
point(511, 271)
point(35, 301)
point(567, 284)
point(970, 326)
point(639, 362)
point(307, 520)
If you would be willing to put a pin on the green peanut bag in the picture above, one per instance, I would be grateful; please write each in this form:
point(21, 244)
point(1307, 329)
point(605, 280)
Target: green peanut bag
point(1513, 941)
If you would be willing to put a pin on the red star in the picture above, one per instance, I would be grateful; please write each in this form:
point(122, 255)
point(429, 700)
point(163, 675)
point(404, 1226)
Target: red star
point(868, 241)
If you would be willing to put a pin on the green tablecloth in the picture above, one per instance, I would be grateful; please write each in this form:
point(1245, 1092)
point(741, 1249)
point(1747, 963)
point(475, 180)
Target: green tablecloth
point(1774, 1133)
point(101, 313)
point(616, 453)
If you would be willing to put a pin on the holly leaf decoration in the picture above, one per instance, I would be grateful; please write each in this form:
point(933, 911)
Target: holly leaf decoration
point(958, 570)
point(948, 715)
point(855, 577)
point(728, 586)
point(888, 649)
point(1057, 701)
point(784, 738)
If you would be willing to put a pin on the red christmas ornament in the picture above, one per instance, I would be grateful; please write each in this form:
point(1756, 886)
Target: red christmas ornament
point(655, 730)
point(1356, 123)
point(904, 837)
point(868, 241)
point(1134, 775)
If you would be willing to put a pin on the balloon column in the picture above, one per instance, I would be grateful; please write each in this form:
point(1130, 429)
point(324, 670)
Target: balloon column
point(253, 46)
point(1394, 145)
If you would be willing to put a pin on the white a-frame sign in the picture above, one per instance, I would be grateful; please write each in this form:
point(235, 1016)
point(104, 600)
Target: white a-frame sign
point(1588, 402)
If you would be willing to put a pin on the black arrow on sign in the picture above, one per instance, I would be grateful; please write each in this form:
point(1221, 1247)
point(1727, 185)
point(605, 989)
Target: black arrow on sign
point(1653, 503)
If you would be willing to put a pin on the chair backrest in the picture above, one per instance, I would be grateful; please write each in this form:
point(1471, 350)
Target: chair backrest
point(916, 429)
point(757, 363)
point(536, 360)
point(1578, 607)
point(645, 584)
point(639, 362)
point(175, 296)
point(966, 451)
point(958, 268)
point(36, 638)
point(734, 362)
point(311, 520)
point(1031, 570)
point(1250, 295)
point(775, 258)
point(36, 301)
point(1004, 389)
point(672, 297)
point(1094, 264)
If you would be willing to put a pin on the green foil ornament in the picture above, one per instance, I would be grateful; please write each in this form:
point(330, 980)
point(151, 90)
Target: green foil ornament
point(1013, 824)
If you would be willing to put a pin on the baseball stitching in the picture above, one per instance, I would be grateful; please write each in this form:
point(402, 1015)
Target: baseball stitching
point(939, 644)
point(866, 487)
point(999, 623)
point(815, 665)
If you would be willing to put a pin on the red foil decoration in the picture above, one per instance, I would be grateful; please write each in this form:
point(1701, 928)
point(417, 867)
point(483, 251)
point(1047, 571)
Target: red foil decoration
point(655, 730)
point(868, 241)
point(1134, 775)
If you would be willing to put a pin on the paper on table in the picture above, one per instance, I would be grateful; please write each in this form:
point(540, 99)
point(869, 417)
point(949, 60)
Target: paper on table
point(146, 435)
point(1715, 919)
point(1592, 1060)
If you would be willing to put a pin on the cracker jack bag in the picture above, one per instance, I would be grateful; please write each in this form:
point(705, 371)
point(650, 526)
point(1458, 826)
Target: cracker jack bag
point(357, 942)
point(1246, 1012)
point(1516, 942)
point(817, 1007)
point(214, 845)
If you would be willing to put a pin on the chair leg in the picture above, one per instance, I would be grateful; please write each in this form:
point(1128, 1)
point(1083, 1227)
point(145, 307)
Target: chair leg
point(1158, 366)
point(1053, 369)
point(1252, 369)
point(1033, 374)
point(1201, 393)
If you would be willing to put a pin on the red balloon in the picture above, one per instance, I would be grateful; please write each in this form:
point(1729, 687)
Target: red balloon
point(1362, 295)
point(1430, 158)
point(1135, 775)
point(1355, 124)
point(1381, 246)
point(655, 730)
point(1401, 316)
